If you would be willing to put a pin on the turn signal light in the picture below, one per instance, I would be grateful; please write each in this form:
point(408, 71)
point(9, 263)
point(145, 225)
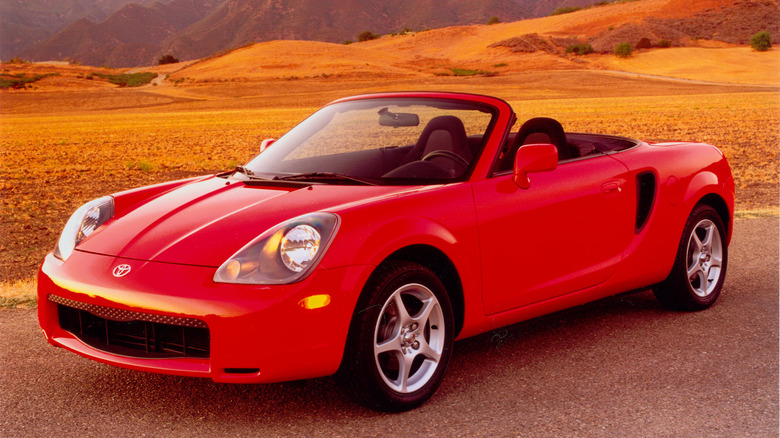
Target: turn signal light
point(315, 301)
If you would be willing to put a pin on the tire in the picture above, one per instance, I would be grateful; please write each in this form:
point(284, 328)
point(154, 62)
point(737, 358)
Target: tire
point(700, 265)
point(400, 339)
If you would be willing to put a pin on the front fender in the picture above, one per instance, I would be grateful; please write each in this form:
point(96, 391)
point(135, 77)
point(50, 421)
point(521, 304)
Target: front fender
point(404, 232)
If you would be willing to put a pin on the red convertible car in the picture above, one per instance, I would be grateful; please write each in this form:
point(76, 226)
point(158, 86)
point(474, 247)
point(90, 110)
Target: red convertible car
point(367, 239)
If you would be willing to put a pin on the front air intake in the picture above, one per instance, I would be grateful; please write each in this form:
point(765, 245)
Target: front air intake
point(133, 334)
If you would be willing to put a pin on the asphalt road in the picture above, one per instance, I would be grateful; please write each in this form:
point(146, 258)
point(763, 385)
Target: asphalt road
point(618, 367)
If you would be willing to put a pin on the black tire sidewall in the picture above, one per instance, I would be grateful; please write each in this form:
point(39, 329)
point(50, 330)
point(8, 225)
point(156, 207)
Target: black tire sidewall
point(676, 291)
point(364, 377)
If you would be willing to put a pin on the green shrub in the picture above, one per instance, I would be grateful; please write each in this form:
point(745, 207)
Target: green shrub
point(128, 79)
point(761, 41)
point(580, 49)
point(167, 59)
point(348, 42)
point(623, 50)
point(493, 20)
point(565, 10)
point(366, 36)
point(470, 72)
point(21, 80)
point(644, 43)
point(665, 44)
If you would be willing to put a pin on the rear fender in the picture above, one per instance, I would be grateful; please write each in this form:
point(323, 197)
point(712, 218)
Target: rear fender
point(707, 185)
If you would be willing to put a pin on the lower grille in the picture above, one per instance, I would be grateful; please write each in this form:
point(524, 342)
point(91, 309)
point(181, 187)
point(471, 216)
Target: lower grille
point(139, 337)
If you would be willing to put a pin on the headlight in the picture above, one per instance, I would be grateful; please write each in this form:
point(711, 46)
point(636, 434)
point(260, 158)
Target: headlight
point(283, 254)
point(82, 223)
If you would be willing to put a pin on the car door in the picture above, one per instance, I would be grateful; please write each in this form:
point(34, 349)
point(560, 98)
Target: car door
point(566, 232)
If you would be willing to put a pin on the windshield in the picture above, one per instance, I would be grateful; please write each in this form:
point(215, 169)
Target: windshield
point(382, 141)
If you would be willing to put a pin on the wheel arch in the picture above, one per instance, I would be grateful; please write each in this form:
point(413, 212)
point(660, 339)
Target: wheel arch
point(441, 265)
point(719, 204)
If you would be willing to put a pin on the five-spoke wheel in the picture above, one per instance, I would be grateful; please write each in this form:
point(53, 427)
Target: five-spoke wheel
point(400, 339)
point(700, 266)
point(410, 336)
point(705, 258)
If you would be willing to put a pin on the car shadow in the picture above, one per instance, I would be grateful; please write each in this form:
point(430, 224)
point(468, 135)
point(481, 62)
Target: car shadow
point(477, 363)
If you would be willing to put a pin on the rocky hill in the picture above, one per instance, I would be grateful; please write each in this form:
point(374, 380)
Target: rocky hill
point(26, 23)
point(136, 35)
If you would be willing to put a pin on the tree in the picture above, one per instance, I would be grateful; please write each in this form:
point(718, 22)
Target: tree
point(644, 43)
point(623, 50)
point(580, 49)
point(167, 59)
point(366, 35)
point(761, 41)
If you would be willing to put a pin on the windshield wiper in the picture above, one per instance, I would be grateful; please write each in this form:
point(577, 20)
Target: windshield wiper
point(327, 177)
point(244, 170)
point(249, 174)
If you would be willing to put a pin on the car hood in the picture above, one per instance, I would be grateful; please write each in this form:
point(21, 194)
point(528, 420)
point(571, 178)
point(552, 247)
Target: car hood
point(203, 223)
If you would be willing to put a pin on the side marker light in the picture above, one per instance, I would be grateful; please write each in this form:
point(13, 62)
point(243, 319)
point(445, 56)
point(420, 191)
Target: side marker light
point(315, 301)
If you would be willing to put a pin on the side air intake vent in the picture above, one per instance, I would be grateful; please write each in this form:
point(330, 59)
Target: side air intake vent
point(645, 194)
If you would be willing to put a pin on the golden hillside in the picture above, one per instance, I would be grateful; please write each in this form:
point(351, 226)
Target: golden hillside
point(438, 52)
point(480, 50)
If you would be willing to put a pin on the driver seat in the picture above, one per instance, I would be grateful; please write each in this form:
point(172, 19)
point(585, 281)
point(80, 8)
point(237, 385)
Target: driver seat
point(444, 133)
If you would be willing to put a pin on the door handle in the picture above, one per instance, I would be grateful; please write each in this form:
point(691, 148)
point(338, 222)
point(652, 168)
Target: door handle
point(612, 186)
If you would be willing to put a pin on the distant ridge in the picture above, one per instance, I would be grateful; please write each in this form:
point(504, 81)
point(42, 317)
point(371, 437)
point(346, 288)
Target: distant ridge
point(191, 29)
point(25, 23)
point(137, 35)
point(128, 37)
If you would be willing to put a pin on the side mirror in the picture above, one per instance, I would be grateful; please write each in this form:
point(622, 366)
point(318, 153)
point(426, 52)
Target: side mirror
point(533, 158)
point(266, 143)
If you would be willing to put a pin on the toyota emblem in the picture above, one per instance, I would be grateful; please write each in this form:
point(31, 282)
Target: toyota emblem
point(121, 270)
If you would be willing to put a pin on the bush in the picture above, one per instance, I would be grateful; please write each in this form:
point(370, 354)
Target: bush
point(565, 10)
point(366, 36)
point(761, 41)
point(665, 44)
point(623, 50)
point(128, 79)
point(644, 43)
point(167, 59)
point(493, 20)
point(470, 72)
point(580, 49)
point(20, 81)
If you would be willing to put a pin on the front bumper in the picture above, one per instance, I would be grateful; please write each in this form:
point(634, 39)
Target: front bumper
point(255, 334)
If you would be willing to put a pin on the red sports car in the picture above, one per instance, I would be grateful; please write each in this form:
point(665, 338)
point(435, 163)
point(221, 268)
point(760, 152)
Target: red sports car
point(371, 236)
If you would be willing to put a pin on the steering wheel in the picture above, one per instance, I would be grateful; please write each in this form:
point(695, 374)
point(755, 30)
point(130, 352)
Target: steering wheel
point(447, 154)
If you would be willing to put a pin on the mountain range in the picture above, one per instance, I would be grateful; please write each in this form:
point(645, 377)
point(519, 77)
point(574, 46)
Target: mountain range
point(127, 33)
point(25, 23)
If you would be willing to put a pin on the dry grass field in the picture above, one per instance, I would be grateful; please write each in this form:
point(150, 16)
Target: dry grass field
point(54, 159)
point(736, 65)
point(70, 139)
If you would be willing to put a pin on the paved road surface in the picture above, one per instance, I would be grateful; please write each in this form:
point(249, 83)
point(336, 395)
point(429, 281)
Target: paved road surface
point(618, 367)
